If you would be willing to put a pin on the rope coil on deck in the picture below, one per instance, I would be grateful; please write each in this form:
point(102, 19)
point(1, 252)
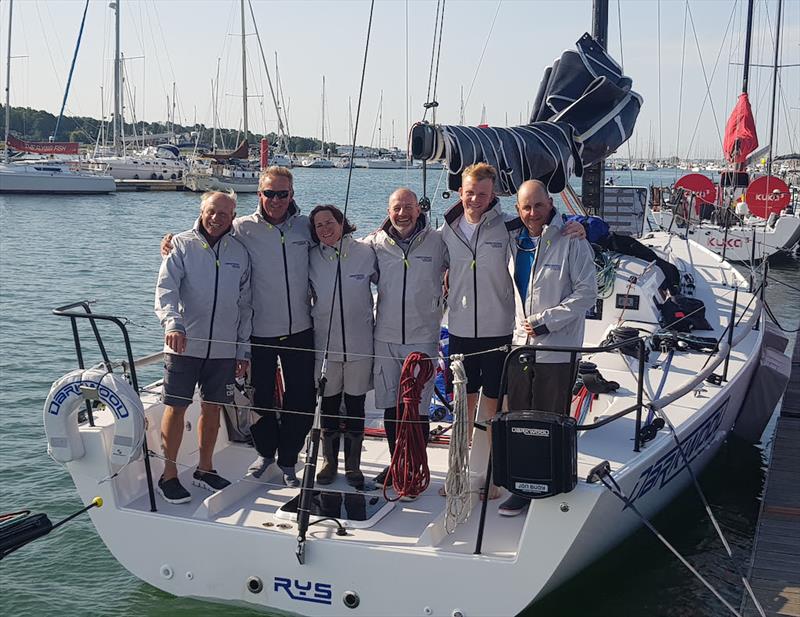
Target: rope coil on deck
point(459, 499)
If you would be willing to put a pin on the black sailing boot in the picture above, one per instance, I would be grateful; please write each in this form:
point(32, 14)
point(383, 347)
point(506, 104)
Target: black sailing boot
point(352, 459)
point(330, 457)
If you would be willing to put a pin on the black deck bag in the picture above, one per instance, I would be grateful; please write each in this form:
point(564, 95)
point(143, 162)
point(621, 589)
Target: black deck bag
point(535, 453)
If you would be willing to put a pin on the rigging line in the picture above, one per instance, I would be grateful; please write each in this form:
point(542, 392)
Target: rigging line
point(680, 90)
point(407, 101)
point(337, 281)
point(617, 491)
point(47, 46)
point(485, 45)
point(658, 18)
point(433, 53)
point(438, 58)
point(622, 65)
point(71, 70)
point(707, 96)
point(707, 508)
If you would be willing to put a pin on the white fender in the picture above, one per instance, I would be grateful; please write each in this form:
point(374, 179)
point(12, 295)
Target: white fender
point(61, 408)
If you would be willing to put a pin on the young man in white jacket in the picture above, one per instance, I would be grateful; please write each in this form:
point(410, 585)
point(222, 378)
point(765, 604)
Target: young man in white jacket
point(203, 301)
point(555, 285)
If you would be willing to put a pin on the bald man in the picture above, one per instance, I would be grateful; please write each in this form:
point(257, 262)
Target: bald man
point(555, 284)
point(412, 259)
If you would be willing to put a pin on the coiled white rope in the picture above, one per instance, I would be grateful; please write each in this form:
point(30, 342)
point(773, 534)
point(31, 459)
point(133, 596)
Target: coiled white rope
point(459, 497)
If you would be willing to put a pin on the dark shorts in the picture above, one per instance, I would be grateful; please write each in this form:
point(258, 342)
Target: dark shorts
point(214, 376)
point(541, 386)
point(484, 369)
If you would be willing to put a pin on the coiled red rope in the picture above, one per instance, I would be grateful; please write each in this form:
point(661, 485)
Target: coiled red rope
point(409, 467)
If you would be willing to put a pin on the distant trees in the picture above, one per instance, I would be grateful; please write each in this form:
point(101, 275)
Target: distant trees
point(38, 125)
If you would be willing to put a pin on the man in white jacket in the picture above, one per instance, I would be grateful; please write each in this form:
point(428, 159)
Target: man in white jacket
point(555, 285)
point(204, 303)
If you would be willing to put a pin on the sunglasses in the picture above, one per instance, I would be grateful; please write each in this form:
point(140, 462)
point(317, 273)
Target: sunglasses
point(269, 194)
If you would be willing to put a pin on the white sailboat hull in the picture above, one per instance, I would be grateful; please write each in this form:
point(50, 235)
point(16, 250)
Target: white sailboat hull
point(200, 183)
point(54, 179)
point(233, 547)
point(139, 168)
point(742, 243)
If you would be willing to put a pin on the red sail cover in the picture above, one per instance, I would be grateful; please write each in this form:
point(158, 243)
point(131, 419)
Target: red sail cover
point(740, 132)
point(44, 147)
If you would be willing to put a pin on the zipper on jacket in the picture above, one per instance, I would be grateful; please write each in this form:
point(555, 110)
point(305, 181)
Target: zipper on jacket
point(403, 309)
point(215, 250)
point(341, 309)
point(474, 267)
point(286, 276)
point(475, 277)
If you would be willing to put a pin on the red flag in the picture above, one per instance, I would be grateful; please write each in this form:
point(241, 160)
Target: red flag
point(740, 132)
point(44, 147)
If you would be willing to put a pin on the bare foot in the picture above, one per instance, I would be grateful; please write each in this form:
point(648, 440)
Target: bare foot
point(494, 492)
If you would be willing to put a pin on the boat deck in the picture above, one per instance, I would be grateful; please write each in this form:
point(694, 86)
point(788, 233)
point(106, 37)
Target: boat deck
point(775, 566)
point(251, 502)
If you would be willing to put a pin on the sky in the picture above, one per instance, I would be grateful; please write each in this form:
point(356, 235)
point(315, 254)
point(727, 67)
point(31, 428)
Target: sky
point(494, 50)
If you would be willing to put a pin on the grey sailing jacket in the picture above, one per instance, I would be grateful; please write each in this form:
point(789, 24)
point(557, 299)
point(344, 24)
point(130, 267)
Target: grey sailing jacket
point(562, 287)
point(204, 292)
point(410, 303)
point(481, 298)
point(353, 314)
point(279, 257)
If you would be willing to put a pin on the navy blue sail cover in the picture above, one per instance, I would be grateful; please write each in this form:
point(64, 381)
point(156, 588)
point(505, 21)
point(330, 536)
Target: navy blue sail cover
point(583, 111)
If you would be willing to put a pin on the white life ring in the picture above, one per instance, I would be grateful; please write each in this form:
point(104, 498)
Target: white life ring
point(61, 408)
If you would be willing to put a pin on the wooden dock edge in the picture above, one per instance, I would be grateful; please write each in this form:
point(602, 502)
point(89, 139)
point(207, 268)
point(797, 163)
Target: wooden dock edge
point(775, 562)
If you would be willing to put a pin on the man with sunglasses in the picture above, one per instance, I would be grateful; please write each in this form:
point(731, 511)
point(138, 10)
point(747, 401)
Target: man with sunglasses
point(278, 238)
point(555, 284)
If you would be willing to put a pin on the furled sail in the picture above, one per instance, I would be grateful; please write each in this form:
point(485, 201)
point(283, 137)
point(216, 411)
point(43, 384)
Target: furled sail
point(740, 132)
point(584, 110)
point(240, 153)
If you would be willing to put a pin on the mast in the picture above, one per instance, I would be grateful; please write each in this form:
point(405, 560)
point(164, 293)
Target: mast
point(117, 128)
point(8, 79)
point(380, 123)
point(747, 42)
point(594, 175)
point(775, 68)
point(244, 75)
point(322, 145)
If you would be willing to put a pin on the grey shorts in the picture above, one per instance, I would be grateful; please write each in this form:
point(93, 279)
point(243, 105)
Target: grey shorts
point(215, 376)
point(388, 366)
point(353, 377)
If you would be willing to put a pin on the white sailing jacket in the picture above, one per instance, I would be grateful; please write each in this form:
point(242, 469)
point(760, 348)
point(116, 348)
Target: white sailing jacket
point(562, 287)
point(204, 292)
point(480, 302)
point(279, 258)
point(350, 295)
point(410, 303)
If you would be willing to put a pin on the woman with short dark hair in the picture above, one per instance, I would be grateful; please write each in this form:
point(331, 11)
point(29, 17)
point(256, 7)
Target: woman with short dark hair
point(341, 270)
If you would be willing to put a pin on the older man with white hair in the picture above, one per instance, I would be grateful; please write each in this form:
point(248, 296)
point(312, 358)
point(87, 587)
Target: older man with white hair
point(203, 300)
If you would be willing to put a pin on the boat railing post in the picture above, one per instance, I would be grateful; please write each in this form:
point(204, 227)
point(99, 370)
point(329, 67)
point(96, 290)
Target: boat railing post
point(726, 222)
point(639, 388)
point(79, 352)
point(488, 481)
point(731, 326)
point(573, 357)
point(753, 248)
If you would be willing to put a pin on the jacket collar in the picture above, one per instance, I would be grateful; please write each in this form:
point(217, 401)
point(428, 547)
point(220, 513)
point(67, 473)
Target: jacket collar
point(556, 221)
point(201, 232)
point(389, 230)
point(458, 210)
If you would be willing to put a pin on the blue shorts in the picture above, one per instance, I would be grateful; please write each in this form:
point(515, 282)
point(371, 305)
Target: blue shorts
point(215, 376)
